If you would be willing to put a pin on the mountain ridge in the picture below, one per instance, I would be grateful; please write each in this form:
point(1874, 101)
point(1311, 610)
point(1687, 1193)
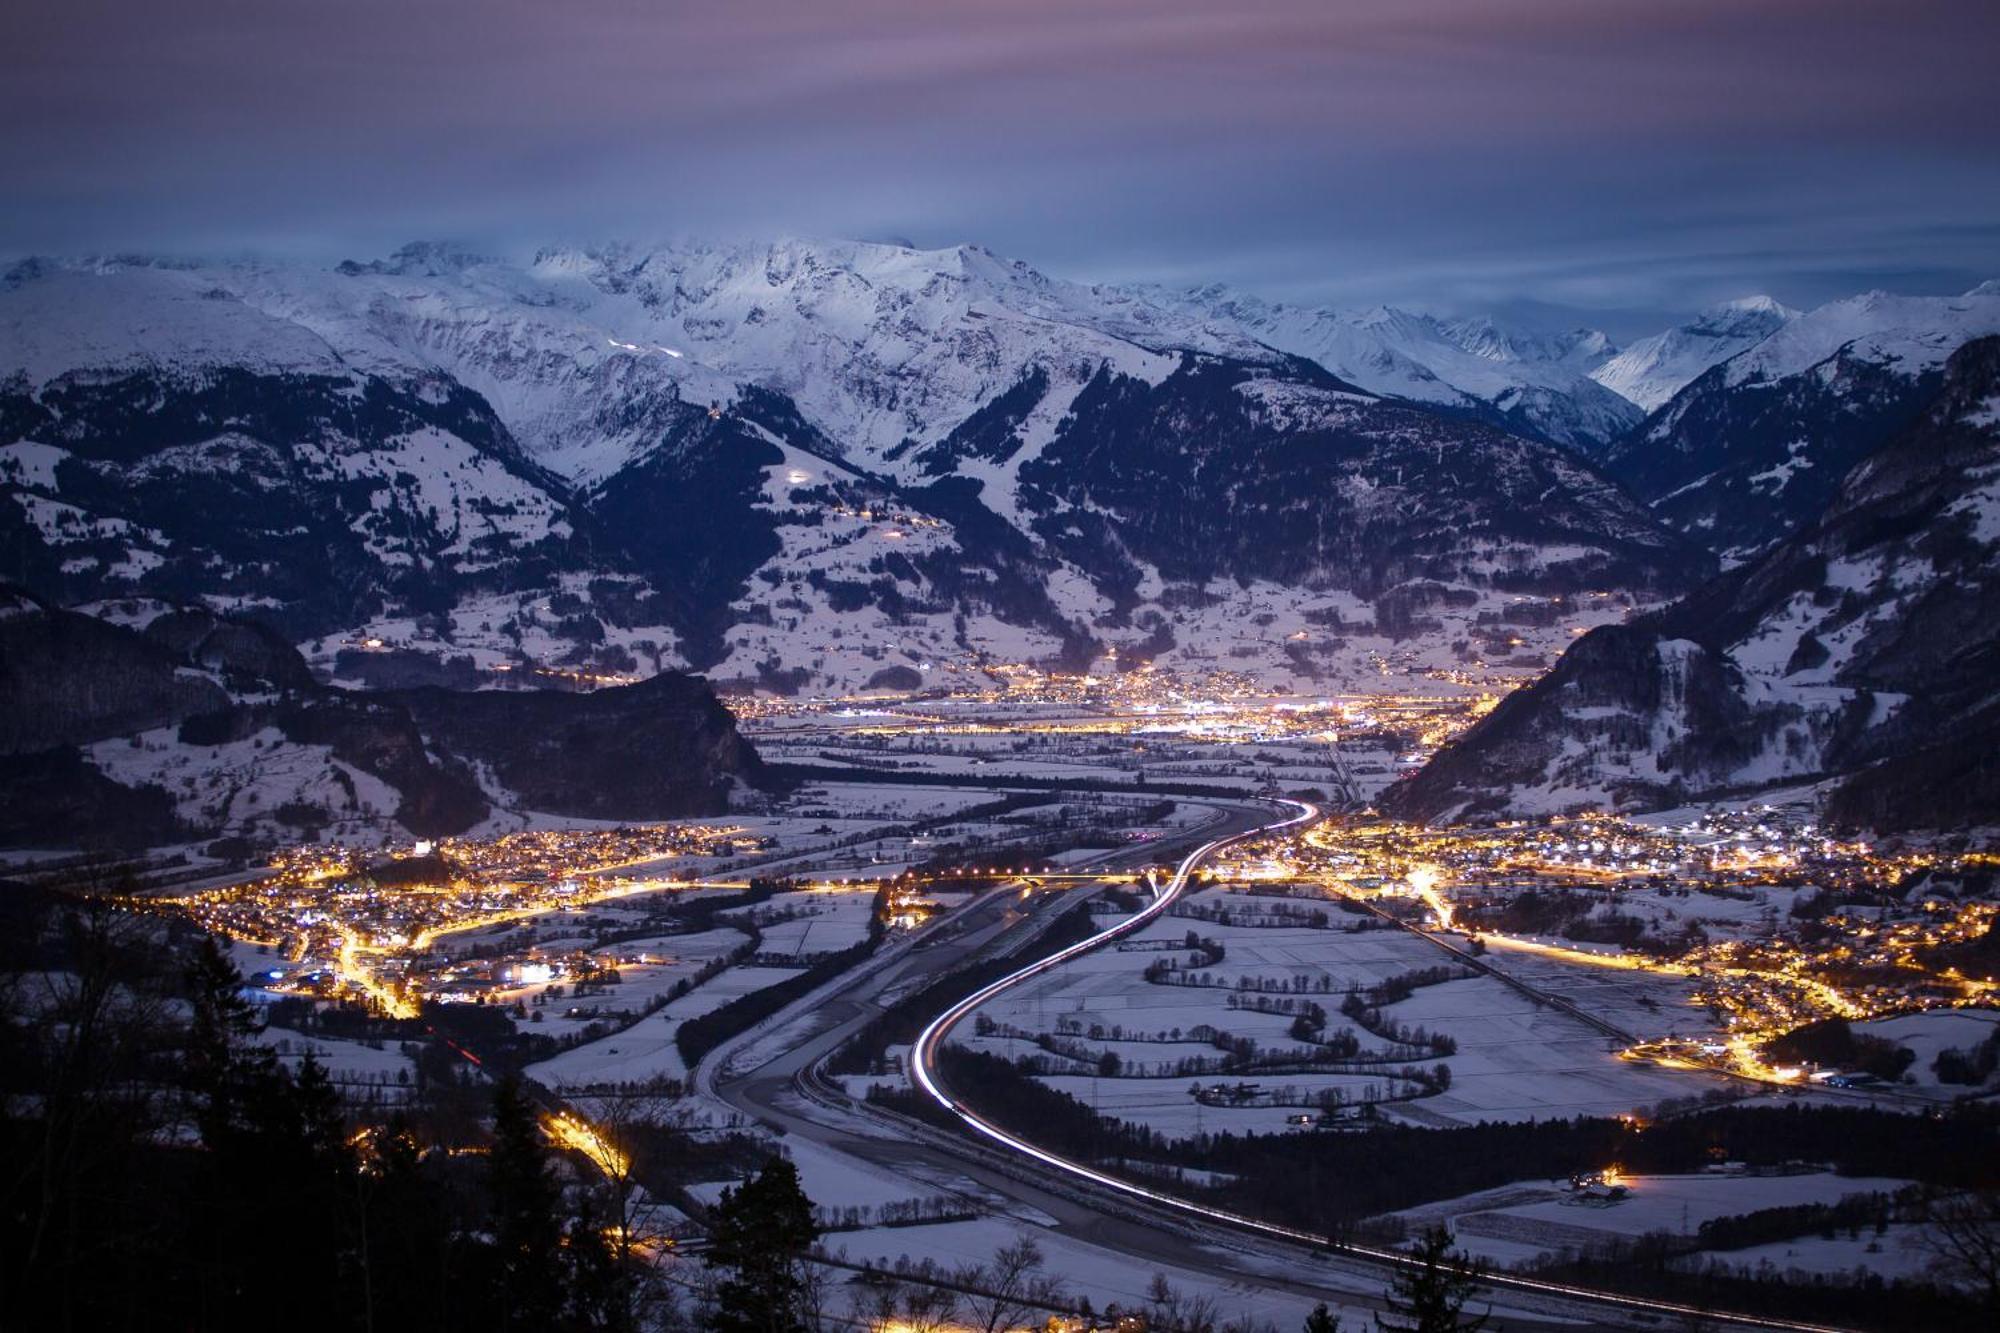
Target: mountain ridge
point(1754, 446)
point(184, 725)
point(1860, 652)
point(788, 464)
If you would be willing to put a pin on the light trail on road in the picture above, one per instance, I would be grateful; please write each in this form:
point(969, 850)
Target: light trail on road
point(924, 1056)
point(572, 1131)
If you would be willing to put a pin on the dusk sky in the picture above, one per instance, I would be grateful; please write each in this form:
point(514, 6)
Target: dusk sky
point(1627, 158)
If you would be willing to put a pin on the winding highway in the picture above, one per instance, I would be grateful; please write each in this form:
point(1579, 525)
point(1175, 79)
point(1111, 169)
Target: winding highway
point(782, 1089)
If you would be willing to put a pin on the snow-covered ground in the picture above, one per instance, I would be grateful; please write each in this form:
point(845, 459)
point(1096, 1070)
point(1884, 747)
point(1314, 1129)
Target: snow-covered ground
point(1926, 1034)
point(818, 921)
point(1514, 1060)
point(1900, 1252)
point(246, 784)
point(350, 1063)
point(1518, 1223)
point(646, 1050)
point(1102, 1276)
point(836, 1180)
point(641, 1053)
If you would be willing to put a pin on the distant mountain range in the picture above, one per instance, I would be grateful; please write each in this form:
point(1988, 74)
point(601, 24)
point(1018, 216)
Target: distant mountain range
point(799, 465)
point(1539, 386)
point(825, 466)
point(1862, 652)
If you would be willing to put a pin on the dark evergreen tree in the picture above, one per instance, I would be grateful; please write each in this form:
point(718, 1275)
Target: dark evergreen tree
point(302, 1142)
point(526, 1228)
point(224, 1069)
point(1430, 1296)
point(275, 1141)
point(760, 1232)
point(597, 1293)
point(1322, 1320)
point(408, 1274)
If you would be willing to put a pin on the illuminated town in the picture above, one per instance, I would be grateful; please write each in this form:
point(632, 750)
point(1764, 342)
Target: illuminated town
point(1805, 927)
point(344, 923)
point(392, 930)
point(1000, 667)
point(1643, 965)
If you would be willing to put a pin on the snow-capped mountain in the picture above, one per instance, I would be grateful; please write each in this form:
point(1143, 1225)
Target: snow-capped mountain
point(1654, 369)
point(795, 464)
point(162, 435)
point(877, 345)
point(1864, 650)
point(1540, 386)
point(1755, 445)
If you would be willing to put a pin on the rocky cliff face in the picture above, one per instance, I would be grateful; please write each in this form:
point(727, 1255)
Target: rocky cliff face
point(1865, 649)
point(182, 725)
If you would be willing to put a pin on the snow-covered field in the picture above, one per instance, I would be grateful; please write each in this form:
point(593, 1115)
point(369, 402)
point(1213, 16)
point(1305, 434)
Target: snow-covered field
point(1926, 1034)
point(836, 1179)
point(819, 921)
point(849, 831)
point(356, 1066)
point(1514, 1059)
point(1104, 1277)
point(1515, 1224)
point(646, 1049)
point(1900, 1252)
point(641, 1053)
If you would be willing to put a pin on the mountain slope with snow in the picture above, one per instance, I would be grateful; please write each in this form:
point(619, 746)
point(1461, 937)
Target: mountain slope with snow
point(160, 435)
point(1866, 649)
point(177, 725)
point(795, 464)
point(1536, 385)
point(1654, 369)
point(879, 346)
point(1755, 446)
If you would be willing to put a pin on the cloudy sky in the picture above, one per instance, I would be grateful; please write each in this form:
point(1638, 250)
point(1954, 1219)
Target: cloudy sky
point(1627, 158)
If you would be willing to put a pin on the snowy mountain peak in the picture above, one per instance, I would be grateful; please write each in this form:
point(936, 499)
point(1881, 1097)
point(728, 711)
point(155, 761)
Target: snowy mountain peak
point(1752, 448)
point(424, 259)
point(1913, 332)
point(1745, 317)
point(1535, 385)
point(105, 316)
point(1483, 338)
point(1654, 369)
point(1753, 305)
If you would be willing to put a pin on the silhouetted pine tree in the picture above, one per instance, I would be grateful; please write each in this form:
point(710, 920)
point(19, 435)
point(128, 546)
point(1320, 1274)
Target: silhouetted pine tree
point(1322, 1320)
point(760, 1232)
point(527, 1230)
point(1431, 1297)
